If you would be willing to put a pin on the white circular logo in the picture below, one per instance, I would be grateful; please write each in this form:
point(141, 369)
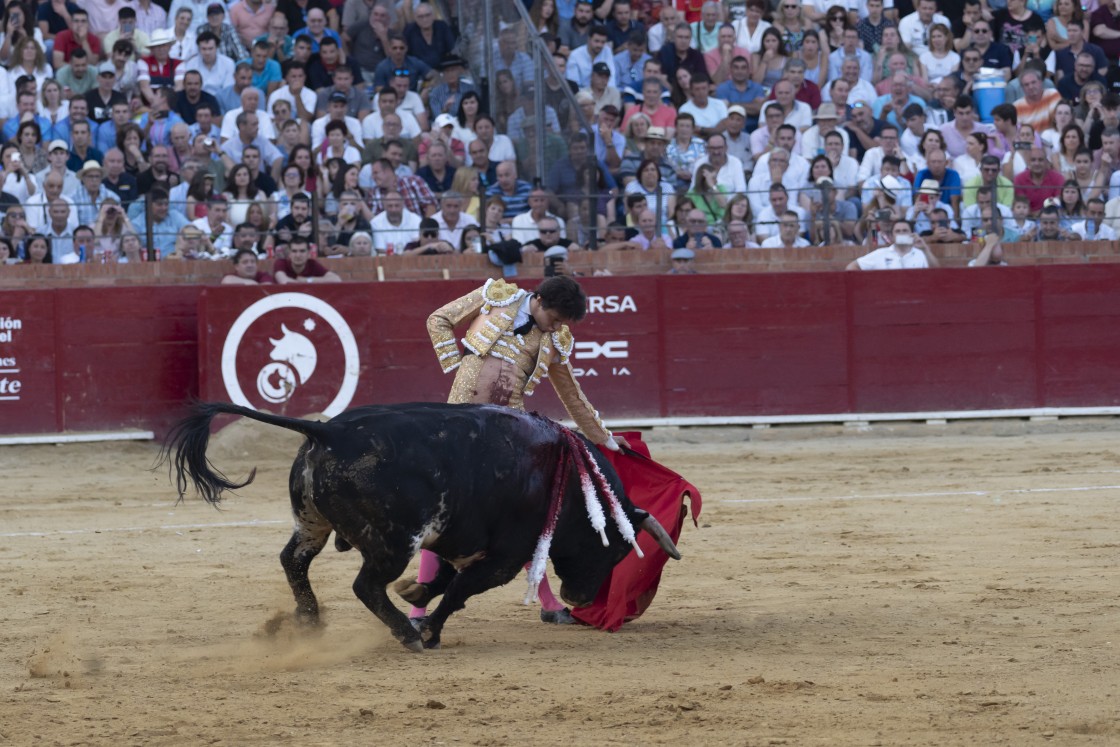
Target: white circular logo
point(293, 356)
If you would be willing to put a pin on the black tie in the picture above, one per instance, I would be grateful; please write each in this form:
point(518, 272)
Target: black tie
point(524, 328)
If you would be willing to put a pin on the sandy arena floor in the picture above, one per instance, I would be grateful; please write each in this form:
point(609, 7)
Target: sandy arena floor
point(876, 589)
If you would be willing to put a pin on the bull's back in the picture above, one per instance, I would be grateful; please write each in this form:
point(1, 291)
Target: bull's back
point(419, 459)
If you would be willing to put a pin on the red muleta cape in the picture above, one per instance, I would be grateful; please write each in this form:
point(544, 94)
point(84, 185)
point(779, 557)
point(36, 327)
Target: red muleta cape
point(633, 583)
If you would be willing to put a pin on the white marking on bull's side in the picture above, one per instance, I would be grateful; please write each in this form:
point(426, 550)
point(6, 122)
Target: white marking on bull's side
point(308, 476)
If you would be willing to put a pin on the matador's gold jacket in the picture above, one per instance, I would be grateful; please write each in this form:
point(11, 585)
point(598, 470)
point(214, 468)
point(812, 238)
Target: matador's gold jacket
point(505, 367)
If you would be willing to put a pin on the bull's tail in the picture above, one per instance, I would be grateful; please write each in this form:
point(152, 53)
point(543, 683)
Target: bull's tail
point(189, 438)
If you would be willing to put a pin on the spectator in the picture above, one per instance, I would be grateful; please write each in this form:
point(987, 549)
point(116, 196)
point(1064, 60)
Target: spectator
point(451, 219)
point(245, 270)
point(972, 217)
point(1020, 227)
point(513, 191)
point(709, 114)
point(394, 227)
point(991, 253)
point(600, 89)
point(927, 199)
point(581, 61)
point(1094, 228)
point(353, 217)
point(993, 54)
point(525, 226)
point(683, 262)
point(1037, 105)
point(767, 218)
point(299, 267)
point(1039, 181)
point(942, 230)
point(166, 223)
point(158, 68)
point(214, 225)
point(250, 19)
point(788, 236)
point(429, 241)
point(1050, 226)
point(76, 36)
point(400, 59)
point(697, 235)
point(949, 180)
point(77, 78)
point(447, 95)
point(574, 31)
point(38, 250)
point(915, 29)
point(428, 38)
point(908, 252)
point(681, 54)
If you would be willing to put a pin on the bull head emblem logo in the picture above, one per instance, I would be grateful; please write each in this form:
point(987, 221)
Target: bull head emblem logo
point(293, 361)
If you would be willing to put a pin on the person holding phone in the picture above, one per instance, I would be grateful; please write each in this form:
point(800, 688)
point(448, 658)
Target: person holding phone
point(1020, 28)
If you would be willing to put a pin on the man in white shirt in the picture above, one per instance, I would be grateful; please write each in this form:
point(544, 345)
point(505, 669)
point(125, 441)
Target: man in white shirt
point(250, 102)
point(710, 114)
point(1094, 228)
point(524, 226)
point(336, 109)
point(908, 252)
point(386, 104)
point(812, 140)
point(730, 169)
point(394, 226)
point(215, 68)
point(768, 219)
point(214, 226)
point(914, 28)
point(452, 220)
point(796, 113)
point(296, 93)
point(582, 59)
point(788, 235)
point(859, 88)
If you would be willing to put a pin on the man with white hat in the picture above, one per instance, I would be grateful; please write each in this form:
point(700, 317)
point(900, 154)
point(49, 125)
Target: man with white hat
point(158, 68)
point(928, 199)
point(738, 139)
point(89, 196)
point(888, 189)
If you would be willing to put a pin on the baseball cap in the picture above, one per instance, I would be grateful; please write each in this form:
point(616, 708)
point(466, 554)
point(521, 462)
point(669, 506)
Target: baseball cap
point(683, 254)
point(601, 68)
point(58, 145)
point(106, 68)
point(339, 96)
point(736, 109)
point(213, 8)
point(445, 120)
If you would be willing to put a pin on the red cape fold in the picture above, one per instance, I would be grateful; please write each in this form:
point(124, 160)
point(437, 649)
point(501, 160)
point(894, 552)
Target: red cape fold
point(633, 583)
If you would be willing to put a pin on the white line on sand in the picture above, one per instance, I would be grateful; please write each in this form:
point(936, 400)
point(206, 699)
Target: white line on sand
point(155, 528)
point(936, 494)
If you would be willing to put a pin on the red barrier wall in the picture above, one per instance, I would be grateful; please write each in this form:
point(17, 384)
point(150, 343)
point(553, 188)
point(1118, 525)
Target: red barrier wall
point(759, 344)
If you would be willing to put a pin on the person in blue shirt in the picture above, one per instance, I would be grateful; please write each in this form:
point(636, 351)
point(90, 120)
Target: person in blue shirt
point(266, 71)
point(316, 29)
point(740, 89)
point(25, 104)
point(166, 223)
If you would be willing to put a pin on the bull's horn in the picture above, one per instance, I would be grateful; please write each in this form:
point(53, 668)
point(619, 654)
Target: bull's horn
point(653, 526)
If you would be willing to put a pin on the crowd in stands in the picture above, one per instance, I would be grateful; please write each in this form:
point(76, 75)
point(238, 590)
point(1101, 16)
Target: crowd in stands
point(141, 130)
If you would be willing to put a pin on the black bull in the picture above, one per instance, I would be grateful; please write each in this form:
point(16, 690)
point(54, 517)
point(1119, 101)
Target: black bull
point(471, 483)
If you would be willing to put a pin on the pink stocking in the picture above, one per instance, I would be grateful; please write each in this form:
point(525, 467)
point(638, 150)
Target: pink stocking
point(548, 600)
point(429, 566)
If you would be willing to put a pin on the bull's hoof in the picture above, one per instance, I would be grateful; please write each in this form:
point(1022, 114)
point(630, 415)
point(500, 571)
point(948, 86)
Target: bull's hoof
point(558, 617)
point(432, 645)
point(412, 591)
point(416, 647)
point(308, 618)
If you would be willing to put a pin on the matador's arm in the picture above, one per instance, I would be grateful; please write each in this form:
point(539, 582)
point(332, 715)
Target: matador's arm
point(442, 323)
